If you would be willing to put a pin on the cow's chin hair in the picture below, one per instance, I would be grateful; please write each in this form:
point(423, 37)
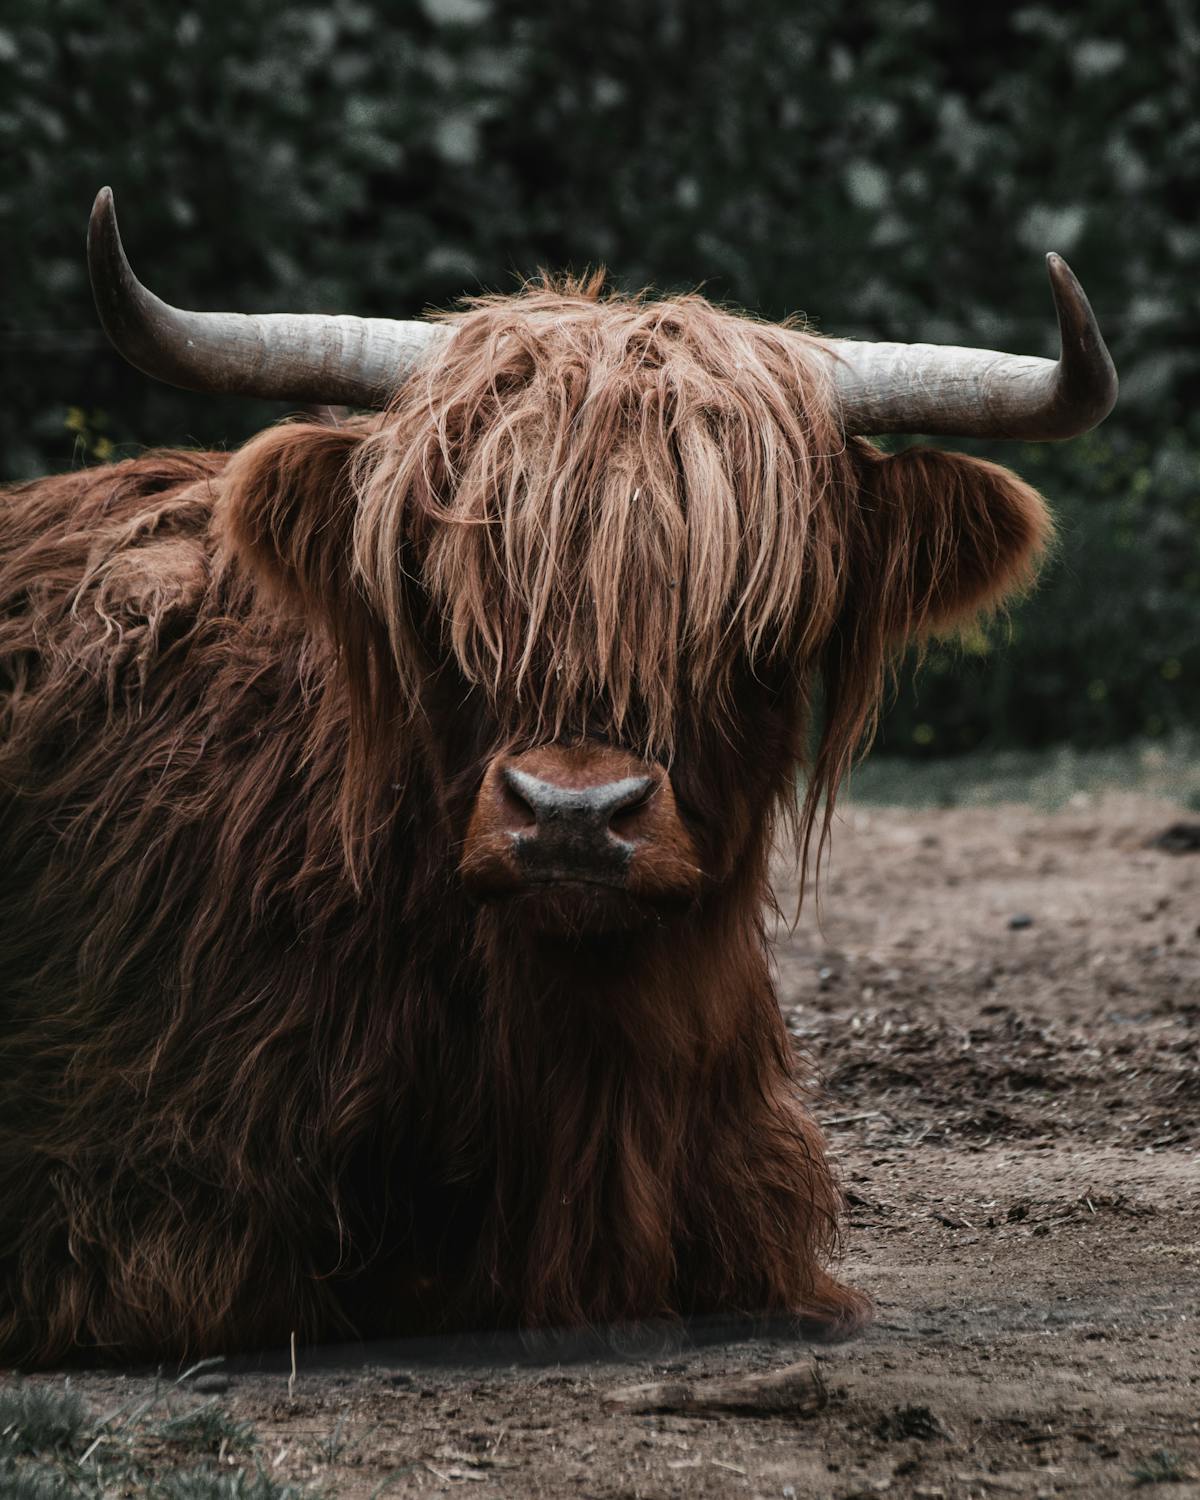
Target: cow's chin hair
point(579, 913)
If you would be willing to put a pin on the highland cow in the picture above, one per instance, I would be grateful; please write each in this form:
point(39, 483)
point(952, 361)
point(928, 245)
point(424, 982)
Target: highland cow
point(385, 810)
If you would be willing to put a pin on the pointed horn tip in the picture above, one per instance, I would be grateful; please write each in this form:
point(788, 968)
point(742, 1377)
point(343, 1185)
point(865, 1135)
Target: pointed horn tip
point(103, 207)
point(1063, 280)
point(103, 235)
point(1059, 272)
point(1077, 319)
point(121, 302)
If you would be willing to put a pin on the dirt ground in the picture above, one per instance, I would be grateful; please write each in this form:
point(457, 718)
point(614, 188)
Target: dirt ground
point(1004, 1006)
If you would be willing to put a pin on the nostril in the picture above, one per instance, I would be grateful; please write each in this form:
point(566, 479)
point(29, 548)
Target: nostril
point(520, 811)
point(626, 822)
point(626, 818)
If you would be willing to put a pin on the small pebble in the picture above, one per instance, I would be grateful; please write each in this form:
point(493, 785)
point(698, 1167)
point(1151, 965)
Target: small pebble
point(1020, 919)
point(211, 1383)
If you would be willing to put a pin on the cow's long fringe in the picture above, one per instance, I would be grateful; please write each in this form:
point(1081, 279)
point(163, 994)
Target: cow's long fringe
point(611, 500)
point(264, 1067)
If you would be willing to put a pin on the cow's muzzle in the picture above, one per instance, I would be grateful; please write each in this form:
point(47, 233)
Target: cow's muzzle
point(574, 823)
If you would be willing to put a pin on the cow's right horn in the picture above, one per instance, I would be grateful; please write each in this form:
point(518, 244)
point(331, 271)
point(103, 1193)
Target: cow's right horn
point(302, 357)
point(945, 391)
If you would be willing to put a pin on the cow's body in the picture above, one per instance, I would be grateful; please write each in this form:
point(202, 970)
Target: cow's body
point(271, 1060)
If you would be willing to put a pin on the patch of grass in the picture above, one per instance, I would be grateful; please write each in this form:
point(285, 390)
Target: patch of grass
point(35, 1482)
point(207, 1429)
point(52, 1449)
point(1159, 1467)
point(331, 1447)
point(209, 1484)
point(37, 1419)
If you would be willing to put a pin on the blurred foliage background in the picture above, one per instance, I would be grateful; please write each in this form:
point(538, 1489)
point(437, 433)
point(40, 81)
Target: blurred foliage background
point(894, 168)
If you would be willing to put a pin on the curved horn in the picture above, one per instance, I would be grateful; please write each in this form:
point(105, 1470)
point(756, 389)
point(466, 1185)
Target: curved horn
point(307, 357)
point(950, 392)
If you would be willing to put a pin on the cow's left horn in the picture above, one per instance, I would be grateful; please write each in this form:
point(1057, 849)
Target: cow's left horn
point(950, 392)
point(309, 357)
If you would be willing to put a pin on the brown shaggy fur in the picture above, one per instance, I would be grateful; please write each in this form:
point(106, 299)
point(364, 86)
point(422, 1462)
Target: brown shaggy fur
point(265, 1065)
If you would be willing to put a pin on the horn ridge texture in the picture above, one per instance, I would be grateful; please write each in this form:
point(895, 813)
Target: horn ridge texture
point(302, 357)
point(946, 391)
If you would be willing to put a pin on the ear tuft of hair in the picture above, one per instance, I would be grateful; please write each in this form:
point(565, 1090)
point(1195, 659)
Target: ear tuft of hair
point(933, 540)
point(287, 515)
point(950, 536)
point(287, 507)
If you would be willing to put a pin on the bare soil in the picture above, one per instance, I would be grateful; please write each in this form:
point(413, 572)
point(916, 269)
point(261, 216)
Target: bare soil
point(1004, 1006)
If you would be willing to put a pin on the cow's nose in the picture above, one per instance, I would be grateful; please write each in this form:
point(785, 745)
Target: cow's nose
point(579, 815)
point(582, 807)
point(564, 832)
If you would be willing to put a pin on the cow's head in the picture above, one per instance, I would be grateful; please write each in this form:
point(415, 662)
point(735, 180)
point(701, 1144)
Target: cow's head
point(597, 554)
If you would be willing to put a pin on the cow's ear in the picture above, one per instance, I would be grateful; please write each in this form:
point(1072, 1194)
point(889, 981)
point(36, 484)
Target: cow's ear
point(287, 512)
point(947, 536)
